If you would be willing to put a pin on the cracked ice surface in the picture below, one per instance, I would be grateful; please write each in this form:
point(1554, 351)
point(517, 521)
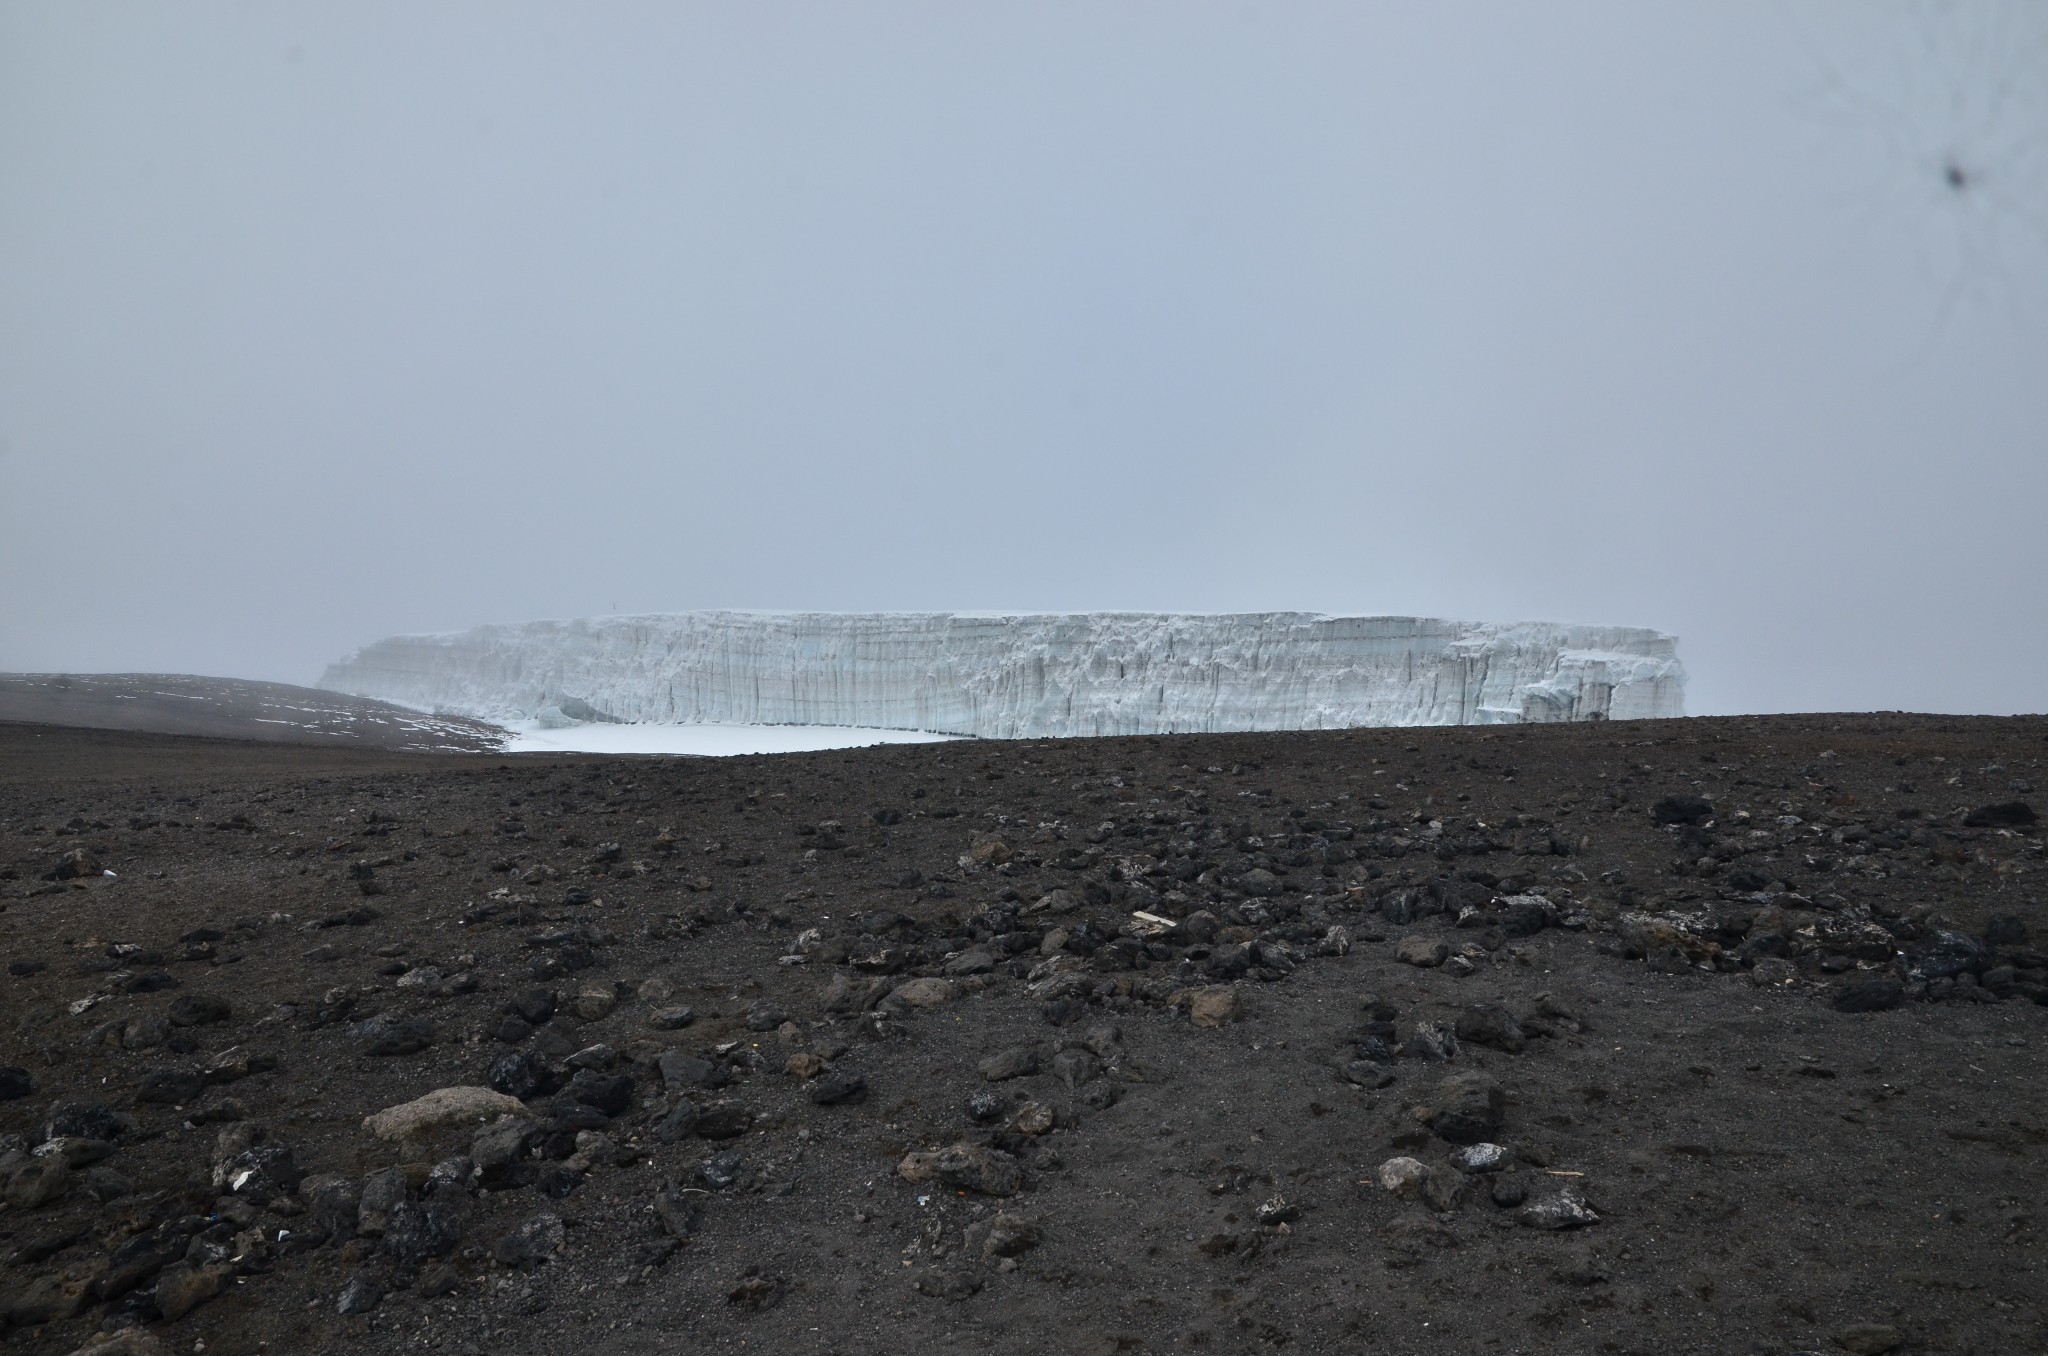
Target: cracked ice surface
point(1031, 675)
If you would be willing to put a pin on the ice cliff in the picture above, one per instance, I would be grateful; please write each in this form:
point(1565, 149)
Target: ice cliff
point(1031, 675)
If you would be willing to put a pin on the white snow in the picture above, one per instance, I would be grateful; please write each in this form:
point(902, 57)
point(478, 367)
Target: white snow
point(713, 740)
point(1030, 675)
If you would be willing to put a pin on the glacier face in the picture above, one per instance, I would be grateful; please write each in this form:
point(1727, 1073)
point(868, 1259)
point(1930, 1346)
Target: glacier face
point(1031, 675)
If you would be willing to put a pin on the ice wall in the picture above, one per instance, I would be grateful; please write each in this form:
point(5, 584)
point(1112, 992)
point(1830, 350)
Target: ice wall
point(1032, 675)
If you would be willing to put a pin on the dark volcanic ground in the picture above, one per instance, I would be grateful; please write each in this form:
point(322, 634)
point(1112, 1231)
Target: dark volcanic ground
point(235, 708)
point(872, 1052)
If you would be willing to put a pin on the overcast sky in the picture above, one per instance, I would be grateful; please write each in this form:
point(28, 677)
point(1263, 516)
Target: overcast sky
point(321, 322)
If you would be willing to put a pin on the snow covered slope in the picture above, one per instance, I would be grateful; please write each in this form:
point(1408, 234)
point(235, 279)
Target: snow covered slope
point(1032, 675)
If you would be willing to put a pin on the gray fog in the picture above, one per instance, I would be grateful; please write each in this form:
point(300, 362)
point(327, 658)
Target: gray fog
point(324, 322)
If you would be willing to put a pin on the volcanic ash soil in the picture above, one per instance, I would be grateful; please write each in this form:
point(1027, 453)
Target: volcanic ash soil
point(1686, 1036)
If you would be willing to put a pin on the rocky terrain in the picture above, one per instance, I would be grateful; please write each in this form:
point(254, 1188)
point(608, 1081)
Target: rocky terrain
point(1679, 1036)
point(235, 708)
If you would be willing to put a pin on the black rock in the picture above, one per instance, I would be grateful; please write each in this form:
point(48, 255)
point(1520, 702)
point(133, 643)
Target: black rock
point(522, 1074)
point(2005, 929)
point(1490, 1024)
point(1682, 810)
point(168, 1087)
point(261, 1174)
point(567, 1116)
point(677, 1124)
point(417, 1231)
point(2012, 814)
point(511, 1030)
point(199, 1009)
point(679, 1070)
point(533, 1006)
point(723, 1171)
point(360, 1295)
point(610, 1093)
point(838, 1086)
point(149, 981)
point(15, 1082)
point(1943, 955)
point(1018, 1061)
point(532, 1243)
point(387, 1036)
point(1868, 995)
point(676, 1211)
point(1469, 1108)
point(557, 1182)
point(22, 969)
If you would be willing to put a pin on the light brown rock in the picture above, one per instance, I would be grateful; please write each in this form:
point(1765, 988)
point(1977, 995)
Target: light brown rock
point(441, 1108)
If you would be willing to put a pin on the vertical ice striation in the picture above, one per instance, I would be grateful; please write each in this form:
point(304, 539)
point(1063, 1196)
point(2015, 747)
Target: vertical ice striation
point(1032, 675)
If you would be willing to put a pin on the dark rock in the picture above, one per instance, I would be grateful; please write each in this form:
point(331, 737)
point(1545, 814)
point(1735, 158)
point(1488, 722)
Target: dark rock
point(989, 1172)
point(726, 1120)
point(1507, 1193)
point(167, 1087)
point(87, 1120)
point(610, 1093)
point(1564, 1209)
point(522, 1074)
point(1075, 1067)
point(1682, 810)
point(15, 1083)
point(1468, 1108)
point(37, 1182)
point(1018, 1061)
point(142, 1257)
point(678, 1123)
point(418, 1231)
point(389, 1036)
point(362, 1293)
point(532, 1006)
point(2005, 929)
point(1490, 1024)
point(2012, 814)
point(679, 1070)
point(149, 981)
point(182, 1288)
point(536, 1240)
point(1431, 1042)
point(1944, 955)
point(499, 1145)
point(724, 1171)
point(676, 1211)
point(74, 865)
point(840, 1085)
point(262, 1173)
point(1868, 995)
point(198, 1009)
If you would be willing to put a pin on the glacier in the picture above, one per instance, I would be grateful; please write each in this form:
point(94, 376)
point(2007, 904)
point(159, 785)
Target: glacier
point(1029, 675)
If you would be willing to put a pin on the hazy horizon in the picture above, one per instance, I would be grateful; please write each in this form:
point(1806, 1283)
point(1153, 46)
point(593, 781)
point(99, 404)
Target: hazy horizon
point(1730, 320)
